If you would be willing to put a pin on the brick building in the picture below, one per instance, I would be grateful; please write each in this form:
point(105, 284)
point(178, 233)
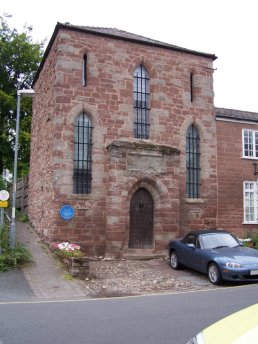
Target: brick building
point(124, 132)
point(237, 137)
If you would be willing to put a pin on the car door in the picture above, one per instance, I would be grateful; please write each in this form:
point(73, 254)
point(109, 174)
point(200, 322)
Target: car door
point(194, 255)
point(190, 251)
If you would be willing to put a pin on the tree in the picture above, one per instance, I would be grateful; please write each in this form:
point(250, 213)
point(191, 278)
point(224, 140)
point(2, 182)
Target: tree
point(19, 61)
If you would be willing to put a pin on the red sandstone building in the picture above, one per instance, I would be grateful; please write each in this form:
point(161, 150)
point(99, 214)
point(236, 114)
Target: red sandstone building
point(124, 132)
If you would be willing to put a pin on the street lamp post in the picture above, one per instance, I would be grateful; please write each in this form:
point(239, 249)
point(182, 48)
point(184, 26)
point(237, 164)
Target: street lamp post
point(25, 93)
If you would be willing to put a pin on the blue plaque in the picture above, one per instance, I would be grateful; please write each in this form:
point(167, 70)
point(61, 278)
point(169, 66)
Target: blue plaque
point(66, 212)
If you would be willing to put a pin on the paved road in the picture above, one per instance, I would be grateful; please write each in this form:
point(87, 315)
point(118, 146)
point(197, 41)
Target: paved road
point(164, 319)
point(14, 286)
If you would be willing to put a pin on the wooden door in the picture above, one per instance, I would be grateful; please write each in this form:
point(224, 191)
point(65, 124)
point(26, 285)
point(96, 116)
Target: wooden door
point(141, 220)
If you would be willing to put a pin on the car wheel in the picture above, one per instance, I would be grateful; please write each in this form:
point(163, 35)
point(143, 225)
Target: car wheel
point(214, 274)
point(174, 260)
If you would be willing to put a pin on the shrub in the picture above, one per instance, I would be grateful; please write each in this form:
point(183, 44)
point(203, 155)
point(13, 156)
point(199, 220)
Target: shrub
point(12, 257)
point(23, 217)
point(253, 242)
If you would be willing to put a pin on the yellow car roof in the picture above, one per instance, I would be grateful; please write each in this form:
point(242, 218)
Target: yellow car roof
point(238, 328)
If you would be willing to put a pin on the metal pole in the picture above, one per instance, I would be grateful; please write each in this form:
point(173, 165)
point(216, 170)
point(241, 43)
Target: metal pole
point(1, 225)
point(13, 225)
point(1, 217)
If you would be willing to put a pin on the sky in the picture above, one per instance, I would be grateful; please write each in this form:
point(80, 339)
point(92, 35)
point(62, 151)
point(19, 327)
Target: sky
point(226, 28)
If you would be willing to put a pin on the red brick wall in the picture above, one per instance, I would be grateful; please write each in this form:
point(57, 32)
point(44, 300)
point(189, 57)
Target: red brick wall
point(233, 170)
point(101, 218)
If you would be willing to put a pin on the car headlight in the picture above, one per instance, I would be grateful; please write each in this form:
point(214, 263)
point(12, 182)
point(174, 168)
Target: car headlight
point(198, 339)
point(233, 265)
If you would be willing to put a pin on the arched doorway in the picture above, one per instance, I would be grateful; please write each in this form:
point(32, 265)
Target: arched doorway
point(141, 220)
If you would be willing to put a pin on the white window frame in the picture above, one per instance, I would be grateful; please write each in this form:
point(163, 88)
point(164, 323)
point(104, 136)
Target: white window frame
point(250, 198)
point(250, 138)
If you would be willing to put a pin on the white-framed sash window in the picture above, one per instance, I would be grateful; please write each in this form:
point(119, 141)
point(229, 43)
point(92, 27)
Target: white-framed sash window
point(250, 143)
point(250, 202)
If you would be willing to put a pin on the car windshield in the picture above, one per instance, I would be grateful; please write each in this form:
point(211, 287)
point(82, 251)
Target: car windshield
point(218, 240)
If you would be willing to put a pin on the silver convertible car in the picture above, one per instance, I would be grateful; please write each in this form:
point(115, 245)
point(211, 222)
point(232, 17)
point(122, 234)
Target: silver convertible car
point(216, 253)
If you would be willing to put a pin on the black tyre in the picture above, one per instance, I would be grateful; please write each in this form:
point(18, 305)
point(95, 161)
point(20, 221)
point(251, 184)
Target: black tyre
point(173, 260)
point(214, 274)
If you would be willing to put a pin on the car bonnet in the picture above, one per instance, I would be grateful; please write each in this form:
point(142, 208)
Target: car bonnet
point(238, 328)
point(240, 254)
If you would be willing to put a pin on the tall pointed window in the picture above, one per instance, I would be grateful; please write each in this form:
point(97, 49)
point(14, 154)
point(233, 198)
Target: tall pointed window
point(82, 165)
point(141, 103)
point(191, 87)
point(193, 162)
point(84, 70)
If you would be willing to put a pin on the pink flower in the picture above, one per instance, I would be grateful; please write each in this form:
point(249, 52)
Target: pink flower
point(65, 246)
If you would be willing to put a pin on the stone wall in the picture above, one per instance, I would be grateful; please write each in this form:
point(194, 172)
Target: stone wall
point(41, 181)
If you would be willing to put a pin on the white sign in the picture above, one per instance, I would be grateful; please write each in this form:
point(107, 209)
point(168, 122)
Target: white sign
point(4, 195)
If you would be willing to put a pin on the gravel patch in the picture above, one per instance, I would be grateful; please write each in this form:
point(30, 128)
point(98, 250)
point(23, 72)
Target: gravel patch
point(110, 278)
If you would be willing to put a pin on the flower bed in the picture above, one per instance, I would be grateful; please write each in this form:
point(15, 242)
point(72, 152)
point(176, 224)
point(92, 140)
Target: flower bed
point(74, 259)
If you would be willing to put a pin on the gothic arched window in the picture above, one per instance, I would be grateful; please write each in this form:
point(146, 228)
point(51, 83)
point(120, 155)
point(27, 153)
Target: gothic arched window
point(193, 162)
point(141, 103)
point(82, 163)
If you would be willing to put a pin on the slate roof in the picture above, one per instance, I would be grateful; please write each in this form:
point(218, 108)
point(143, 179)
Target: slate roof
point(117, 34)
point(237, 115)
point(128, 36)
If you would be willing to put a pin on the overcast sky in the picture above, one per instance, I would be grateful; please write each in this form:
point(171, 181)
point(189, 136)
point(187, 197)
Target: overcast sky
point(227, 28)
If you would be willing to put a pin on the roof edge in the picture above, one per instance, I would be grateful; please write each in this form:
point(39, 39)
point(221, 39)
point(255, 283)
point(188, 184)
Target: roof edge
point(45, 55)
point(236, 115)
point(153, 43)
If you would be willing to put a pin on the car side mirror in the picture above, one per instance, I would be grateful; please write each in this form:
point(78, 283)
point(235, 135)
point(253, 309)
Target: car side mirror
point(191, 246)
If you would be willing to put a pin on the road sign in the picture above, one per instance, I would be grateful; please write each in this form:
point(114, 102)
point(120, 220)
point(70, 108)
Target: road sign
point(4, 195)
point(3, 204)
point(66, 212)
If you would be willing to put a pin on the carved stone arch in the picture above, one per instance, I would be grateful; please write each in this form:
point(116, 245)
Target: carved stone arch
point(89, 110)
point(153, 185)
point(187, 123)
point(84, 50)
point(156, 189)
point(146, 197)
point(204, 137)
point(97, 134)
point(141, 60)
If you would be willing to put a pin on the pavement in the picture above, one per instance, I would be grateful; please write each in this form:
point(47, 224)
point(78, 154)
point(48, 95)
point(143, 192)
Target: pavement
point(43, 279)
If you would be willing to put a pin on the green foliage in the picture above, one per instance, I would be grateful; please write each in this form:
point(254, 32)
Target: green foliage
point(19, 61)
point(254, 240)
point(64, 254)
point(23, 217)
point(12, 258)
point(68, 277)
point(2, 184)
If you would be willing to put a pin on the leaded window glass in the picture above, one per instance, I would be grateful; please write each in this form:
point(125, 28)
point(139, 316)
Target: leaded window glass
point(193, 162)
point(82, 165)
point(141, 103)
